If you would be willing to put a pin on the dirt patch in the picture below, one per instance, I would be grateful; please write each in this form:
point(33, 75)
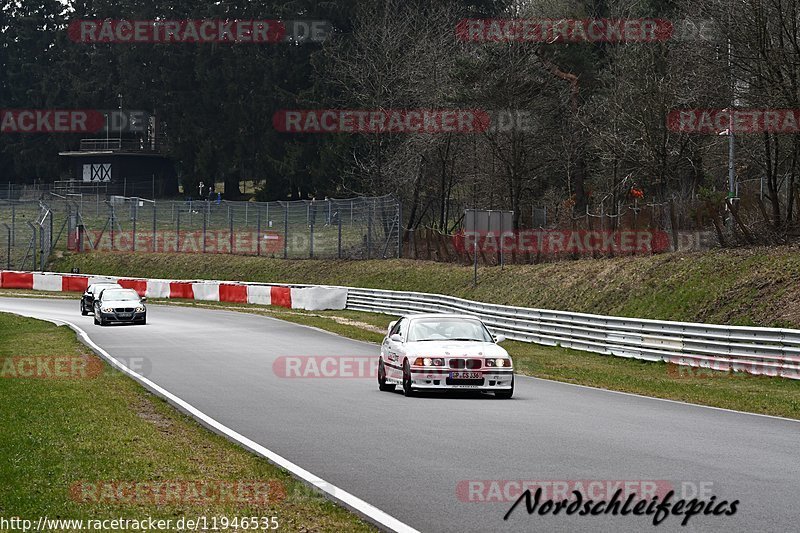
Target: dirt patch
point(145, 410)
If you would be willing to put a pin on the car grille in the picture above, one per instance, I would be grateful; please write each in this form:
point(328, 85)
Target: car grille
point(471, 364)
point(450, 381)
point(124, 310)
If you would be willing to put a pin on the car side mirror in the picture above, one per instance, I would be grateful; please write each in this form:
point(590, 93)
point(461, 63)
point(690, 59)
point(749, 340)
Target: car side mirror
point(144, 299)
point(499, 338)
point(396, 338)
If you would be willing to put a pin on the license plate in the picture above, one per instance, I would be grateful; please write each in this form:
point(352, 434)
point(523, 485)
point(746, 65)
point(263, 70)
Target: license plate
point(466, 375)
point(125, 315)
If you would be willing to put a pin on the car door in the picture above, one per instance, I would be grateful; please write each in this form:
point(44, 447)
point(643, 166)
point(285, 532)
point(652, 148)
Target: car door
point(87, 297)
point(393, 351)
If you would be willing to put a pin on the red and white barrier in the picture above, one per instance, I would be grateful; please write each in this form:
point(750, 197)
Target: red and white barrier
point(311, 298)
point(318, 298)
point(207, 291)
point(259, 294)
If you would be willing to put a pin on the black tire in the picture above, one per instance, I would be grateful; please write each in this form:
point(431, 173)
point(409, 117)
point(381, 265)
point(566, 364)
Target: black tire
point(84, 312)
point(505, 394)
point(407, 390)
point(382, 385)
point(96, 322)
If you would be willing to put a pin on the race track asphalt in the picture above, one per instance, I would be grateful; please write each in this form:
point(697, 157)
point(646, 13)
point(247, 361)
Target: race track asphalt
point(407, 456)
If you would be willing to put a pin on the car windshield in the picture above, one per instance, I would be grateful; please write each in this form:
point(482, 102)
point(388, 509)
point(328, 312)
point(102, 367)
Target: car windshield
point(123, 295)
point(449, 329)
point(98, 288)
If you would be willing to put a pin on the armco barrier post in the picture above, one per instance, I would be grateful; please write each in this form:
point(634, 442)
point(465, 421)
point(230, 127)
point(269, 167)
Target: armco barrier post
point(178, 232)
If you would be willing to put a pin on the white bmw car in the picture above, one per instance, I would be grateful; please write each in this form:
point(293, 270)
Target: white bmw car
point(443, 351)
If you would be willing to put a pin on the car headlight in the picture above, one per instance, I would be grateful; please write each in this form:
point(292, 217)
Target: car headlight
point(429, 361)
point(140, 309)
point(108, 309)
point(499, 362)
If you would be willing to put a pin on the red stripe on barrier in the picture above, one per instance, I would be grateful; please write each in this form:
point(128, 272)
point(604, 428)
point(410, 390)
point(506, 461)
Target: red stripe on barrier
point(17, 280)
point(281, 296)
point(74, 283)
point(233, 293)
point(139, 285)
point(181, 290)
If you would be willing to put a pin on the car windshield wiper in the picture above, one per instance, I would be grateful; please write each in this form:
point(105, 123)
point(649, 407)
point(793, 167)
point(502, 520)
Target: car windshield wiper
point(463, 339)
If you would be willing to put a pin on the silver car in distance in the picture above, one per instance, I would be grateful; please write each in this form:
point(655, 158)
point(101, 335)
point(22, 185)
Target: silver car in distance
point(120, 306)
point(444, 351)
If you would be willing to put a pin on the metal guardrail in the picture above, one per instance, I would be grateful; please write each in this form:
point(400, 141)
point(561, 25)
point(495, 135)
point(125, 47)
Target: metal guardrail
point(763, 351)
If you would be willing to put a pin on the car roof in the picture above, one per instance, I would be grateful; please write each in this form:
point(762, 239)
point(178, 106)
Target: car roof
point(440, 315)
point(115, 289)
point(107, 284)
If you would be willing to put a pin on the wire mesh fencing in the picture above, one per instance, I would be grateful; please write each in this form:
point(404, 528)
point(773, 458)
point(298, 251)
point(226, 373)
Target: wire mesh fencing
point(356, 228)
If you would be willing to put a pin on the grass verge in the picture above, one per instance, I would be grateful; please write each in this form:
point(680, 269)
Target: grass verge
point(102, 427)
point(755, 286)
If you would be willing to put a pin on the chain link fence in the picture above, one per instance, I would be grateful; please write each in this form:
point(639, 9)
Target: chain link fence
point(355, 228)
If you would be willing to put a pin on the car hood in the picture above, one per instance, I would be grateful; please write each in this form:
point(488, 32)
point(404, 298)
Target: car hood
point(456, 349)
point(121, 303)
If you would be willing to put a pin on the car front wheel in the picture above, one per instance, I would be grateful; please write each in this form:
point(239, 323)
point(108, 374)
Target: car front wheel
point(407, 390)
point(84, 312)
point(382, 385)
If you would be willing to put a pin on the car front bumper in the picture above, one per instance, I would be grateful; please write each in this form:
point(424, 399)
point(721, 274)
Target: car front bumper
point(491, 380)
point(123, 317)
